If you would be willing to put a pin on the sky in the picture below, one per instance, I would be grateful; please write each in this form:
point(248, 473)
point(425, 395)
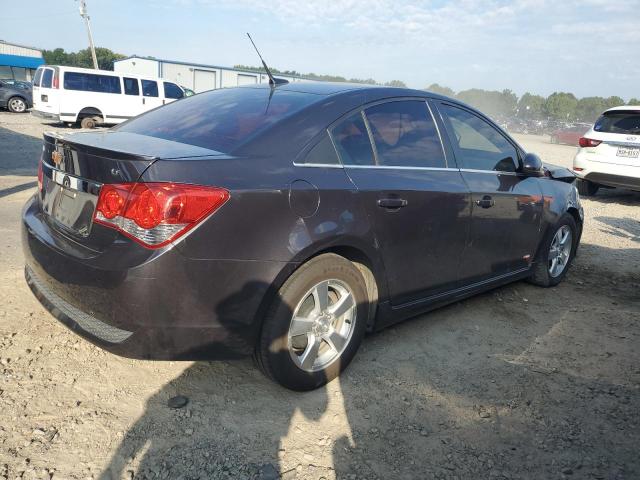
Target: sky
point(587, 47)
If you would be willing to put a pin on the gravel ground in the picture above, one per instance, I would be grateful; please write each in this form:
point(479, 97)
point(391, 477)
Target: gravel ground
point(517, 383)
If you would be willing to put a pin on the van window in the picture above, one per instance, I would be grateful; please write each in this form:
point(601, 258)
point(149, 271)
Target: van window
point(90, 82)
point(47, 76)
point(36, 80)
point(149, 88)
point(171, 90)
point(131, 86)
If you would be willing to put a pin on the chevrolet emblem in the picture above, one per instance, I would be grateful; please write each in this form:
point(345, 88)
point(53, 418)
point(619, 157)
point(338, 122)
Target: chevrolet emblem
point(56, 156)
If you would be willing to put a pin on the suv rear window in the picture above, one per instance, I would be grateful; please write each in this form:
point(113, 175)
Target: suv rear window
point(627, 122)
point(220, 120)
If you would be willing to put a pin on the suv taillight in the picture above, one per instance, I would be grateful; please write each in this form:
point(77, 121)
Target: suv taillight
point(589, 142)
point(40, 176)
point(155, 214)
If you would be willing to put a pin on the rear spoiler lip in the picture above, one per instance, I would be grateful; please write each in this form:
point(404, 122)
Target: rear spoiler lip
point(58, 139)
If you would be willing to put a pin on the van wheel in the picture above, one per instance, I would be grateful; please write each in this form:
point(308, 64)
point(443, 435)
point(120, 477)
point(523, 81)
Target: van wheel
point(16, 105)
point(587, 188)
point(89, 122)
point(315, 324)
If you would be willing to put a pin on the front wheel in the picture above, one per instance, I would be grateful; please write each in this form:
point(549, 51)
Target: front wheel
point(17, 105)
point(315, 324)
point(556, 253)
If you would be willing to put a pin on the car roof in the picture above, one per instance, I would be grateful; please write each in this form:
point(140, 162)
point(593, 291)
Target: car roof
point(624, 108)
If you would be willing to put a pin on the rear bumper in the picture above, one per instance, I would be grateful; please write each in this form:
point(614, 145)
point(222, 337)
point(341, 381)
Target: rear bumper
point(45, 115)
point(169, 307)
point(608, 174)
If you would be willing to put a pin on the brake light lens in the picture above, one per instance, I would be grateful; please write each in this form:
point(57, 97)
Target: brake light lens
point(155, 214)
point(56, 80)
point(589, 142)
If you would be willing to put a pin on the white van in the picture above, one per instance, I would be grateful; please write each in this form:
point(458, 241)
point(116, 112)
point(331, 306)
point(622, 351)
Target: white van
point(92, 97)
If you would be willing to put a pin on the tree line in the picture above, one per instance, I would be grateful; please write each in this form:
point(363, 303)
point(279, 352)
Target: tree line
point(562, 106)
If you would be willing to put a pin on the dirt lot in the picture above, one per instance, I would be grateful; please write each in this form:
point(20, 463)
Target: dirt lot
point(521, 382)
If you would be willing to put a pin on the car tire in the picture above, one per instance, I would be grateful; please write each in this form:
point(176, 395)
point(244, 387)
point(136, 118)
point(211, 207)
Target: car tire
point(89, 122)
point(587, 188)
point(555, 246)
point(553, 139)
point(307, 353)
point(16, 105)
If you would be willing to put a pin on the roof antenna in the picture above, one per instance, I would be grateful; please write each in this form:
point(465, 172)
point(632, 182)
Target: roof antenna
point(272, 80)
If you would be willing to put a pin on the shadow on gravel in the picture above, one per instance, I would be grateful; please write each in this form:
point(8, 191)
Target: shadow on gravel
point(484, 388)
point(18, 188)
point(19, 153)
point(622, 227)
point(616, 195)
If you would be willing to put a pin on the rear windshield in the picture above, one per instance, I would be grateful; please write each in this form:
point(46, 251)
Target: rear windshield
point(220, 120)
point(619, 122)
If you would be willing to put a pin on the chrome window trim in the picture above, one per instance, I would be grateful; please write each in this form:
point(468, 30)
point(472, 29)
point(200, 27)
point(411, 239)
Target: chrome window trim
point(495, 172)
point(392, 167)
point(318, 165)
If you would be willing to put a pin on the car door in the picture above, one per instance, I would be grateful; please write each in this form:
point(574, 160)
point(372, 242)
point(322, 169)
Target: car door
point(418, 203)
point(506, 205)
point(150, 95)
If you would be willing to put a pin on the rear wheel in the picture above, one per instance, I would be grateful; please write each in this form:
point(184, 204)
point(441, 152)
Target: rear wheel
point(17, 105)
point(89, 122)
point(315, 325)
point(587, 188)
point(556, 253)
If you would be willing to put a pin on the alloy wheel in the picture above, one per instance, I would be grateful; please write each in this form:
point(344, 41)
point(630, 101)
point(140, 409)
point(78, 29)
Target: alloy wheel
point(322, 325)
point(17, 105)
point(560, 251)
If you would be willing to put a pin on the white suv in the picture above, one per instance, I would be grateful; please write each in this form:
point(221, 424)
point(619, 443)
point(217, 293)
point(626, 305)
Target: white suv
point(609, 153)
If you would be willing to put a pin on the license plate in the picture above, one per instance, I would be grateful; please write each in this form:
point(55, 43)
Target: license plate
point(628, 152)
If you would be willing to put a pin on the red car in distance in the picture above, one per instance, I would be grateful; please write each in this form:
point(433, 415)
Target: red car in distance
point(569, 135)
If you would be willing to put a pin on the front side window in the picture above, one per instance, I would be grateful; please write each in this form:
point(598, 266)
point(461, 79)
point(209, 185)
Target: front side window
point(323, 153)
point(171, 90)
point(20, 73)
point(352, 141)
point(5, 71)
point(478, 145)
point(89, 82)
point(47, 77)
point(149, 88)
point(627, 122)
point(405, 135)
point(131, 86)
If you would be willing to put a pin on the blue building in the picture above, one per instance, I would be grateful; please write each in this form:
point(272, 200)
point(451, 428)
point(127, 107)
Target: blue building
point(19, 62)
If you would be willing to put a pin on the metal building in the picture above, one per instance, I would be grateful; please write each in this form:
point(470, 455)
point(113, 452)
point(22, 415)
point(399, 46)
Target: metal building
point(19, 62)
point(195, 76)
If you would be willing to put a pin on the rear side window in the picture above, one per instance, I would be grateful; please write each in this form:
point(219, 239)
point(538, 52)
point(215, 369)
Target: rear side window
point(131, 86)
point(220, 120)
point(323, 153)
point(36, 80)
point(171, 90)
point(149, 88)
point(477, 144)
point(626, 122)
point(405, 135)
point(352, 141)
point(90, 82)
point(47, 76)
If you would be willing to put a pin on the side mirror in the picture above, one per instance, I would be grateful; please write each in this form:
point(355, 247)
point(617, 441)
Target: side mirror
point(532, 165)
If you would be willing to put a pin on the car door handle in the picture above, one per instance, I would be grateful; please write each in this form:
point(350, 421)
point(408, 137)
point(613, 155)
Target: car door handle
point(486, 202)
point(392, 203)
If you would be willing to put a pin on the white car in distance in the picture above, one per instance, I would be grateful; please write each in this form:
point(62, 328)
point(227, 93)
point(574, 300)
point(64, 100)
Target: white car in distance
point(609, 153)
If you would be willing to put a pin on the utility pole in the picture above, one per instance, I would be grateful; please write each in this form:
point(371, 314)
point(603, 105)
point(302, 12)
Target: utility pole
point(85, 15)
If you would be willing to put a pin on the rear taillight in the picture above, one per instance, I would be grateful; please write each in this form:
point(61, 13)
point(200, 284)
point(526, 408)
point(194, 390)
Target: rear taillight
point(589, 142)
point(40, 176)
point(155, 214)
point(56, 80)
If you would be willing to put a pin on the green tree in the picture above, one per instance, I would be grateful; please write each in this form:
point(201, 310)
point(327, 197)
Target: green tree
point(531, 106)
point(436, 88)
point(492, 103)
point(561, 106)
point(589, 109)
point(634, 101)
point(396, 83)
point(613, 102)
point(82, 58)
